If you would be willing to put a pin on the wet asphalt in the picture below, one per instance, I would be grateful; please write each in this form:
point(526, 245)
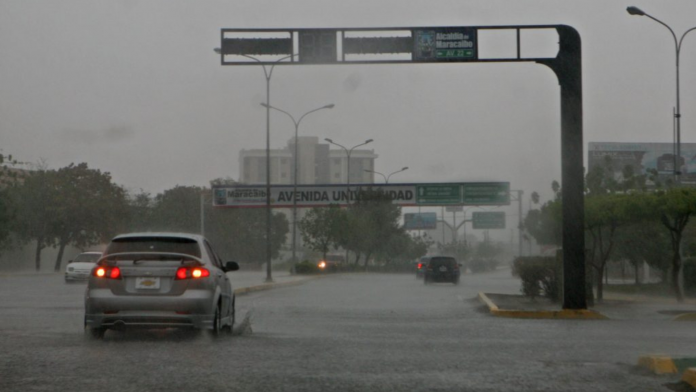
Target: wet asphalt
point(357, 332)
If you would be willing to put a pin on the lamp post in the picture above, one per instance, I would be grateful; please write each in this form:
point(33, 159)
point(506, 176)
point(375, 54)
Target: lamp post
point(386, 178)
point(296, 164)
point(268, 73)
point(348, 152)
point(677, 114)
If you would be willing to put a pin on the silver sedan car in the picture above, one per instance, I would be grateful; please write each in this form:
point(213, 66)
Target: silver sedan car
point(159, 280)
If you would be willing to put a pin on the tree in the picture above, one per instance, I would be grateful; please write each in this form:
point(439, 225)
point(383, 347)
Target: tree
point(240, 233)
point(177, 209)
point(644, 242)
point(321, 228)
point(6, 217)
point(35, 202)
point(404, 248)
point(88, 208)
point(370, 223)
point(140, 209)
point(604, 214)
point(675, 206)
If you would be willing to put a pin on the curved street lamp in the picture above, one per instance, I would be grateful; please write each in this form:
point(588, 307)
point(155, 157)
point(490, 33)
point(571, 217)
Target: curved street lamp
point(677, 114)
point(348, 152)
point(296, 164)
point(386, 178)
point(268, 73)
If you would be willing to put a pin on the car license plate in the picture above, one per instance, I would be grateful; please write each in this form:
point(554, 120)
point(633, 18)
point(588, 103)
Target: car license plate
point(443, 269)
point(147, 283)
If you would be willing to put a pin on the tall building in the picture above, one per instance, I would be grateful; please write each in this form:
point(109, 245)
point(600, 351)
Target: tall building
point(317, 164)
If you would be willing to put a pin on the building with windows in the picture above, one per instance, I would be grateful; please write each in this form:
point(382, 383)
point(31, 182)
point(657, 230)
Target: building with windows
point(317, 164)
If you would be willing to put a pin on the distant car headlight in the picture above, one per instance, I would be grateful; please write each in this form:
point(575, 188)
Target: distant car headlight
point(322, 264)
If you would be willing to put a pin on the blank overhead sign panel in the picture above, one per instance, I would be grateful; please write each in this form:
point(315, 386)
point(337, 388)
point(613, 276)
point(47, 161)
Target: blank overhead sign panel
point(373, 45)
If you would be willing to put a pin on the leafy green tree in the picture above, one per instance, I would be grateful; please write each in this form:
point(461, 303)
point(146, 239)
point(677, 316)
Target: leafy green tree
point(370, 223)
point(403, 248)
point(177, 209)
point(604, 215)
point(35, 201)
point(240, 233)
point(140, 210)
point(6, 217)
point(676, 205)
point(321, 228)
point(88, 208)
point(644, 242)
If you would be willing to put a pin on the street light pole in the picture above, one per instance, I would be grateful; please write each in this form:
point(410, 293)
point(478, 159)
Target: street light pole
point(386, 178)
point(348, 152)
point(296, 164)
point(677, 114)
point(268, 73)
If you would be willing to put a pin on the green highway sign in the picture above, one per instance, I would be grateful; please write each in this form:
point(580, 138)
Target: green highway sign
point(486, 193)
point(488, 220)
point(438, 194)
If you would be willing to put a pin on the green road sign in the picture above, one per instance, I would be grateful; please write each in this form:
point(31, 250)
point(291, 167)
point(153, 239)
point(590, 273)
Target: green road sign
point(488, 220)
point(486, 193)
point(439, 194)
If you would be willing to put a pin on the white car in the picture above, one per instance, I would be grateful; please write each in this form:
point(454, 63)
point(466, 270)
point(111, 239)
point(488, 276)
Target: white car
point(78, 270)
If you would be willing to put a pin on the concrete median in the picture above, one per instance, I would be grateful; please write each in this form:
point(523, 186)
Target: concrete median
point(540, 314)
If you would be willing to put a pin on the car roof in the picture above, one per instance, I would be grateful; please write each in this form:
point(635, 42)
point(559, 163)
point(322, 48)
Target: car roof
point(195, 237)
point(91, 253)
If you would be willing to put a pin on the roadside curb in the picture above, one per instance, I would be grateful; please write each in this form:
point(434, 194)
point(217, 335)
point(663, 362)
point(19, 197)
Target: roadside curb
point(565, 314)
point(685, 317)
point(689, 377)
point(270, 286)
point(665, 364)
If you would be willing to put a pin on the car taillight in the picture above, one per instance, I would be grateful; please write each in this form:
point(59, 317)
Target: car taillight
point(420, 265)
point(191, 273)
point(107, 272)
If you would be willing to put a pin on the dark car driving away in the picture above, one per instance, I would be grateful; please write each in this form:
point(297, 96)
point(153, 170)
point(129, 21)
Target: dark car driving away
point(159, 280)
point(442, 269)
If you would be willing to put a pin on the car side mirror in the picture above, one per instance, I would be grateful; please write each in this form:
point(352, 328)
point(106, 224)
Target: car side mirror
point(231, 266)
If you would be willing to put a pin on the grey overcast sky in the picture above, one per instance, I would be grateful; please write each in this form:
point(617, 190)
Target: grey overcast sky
point(133, 87)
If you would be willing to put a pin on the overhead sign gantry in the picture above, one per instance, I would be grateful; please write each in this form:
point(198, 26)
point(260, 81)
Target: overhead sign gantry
point(445, 44)
point(424, 194)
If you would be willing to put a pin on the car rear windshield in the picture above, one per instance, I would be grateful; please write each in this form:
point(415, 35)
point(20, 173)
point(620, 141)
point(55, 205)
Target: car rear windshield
point(446, 261)
point(154, 244)
point(87, 258)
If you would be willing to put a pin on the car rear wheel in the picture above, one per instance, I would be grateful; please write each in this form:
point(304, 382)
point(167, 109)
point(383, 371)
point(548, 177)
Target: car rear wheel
point(94, 333)
point(228, 328)
point(217, 323)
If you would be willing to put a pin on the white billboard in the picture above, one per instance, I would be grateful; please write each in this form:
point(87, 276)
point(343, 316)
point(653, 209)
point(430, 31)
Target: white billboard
point(644, 157)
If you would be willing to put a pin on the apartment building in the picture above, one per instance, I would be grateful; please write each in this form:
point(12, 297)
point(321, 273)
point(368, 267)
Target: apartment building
point(317, 164)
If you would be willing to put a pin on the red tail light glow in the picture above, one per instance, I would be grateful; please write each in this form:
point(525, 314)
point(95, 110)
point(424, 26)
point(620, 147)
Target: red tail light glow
point(107, 272)
point(191, 273)
point(420, 265)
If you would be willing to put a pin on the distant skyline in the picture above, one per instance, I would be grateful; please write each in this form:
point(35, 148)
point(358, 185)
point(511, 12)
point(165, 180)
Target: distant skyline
point(134, 88)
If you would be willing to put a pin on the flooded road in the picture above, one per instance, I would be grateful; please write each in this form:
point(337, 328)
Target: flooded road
point(355, 332)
